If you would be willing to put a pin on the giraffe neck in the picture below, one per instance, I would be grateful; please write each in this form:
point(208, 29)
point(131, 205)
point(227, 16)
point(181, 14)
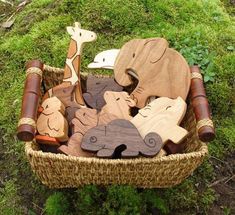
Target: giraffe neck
point(72, 66)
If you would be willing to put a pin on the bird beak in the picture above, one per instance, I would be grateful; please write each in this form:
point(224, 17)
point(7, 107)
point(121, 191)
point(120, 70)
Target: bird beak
point(40, 109)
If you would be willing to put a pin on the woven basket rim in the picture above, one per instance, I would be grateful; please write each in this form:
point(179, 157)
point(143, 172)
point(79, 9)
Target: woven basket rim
point(202, 151)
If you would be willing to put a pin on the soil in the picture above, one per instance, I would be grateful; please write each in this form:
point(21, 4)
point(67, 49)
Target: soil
point(224, 185)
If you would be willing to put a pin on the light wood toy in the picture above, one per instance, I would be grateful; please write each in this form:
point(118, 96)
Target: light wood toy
point(118, 104)
point(162, 116)
point(51, 121)
point(161, 71)
point(79, 37)
point(104, 59)
point(120, 138)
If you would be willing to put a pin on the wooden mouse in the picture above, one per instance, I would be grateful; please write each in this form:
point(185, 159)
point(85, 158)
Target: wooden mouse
point(96, 88)
point(118, 104)
point(161, 71)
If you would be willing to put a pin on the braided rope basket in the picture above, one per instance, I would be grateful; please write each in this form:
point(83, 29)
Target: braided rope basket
point(60, 171)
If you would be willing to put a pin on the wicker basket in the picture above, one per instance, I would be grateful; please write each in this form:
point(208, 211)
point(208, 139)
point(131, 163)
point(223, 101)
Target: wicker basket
point(60, 171)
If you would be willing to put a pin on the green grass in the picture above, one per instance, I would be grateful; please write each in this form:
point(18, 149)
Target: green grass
point(202, 30)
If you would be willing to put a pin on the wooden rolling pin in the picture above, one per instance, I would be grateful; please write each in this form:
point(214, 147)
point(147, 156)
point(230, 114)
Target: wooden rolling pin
point(27, 123)
point(205, 127)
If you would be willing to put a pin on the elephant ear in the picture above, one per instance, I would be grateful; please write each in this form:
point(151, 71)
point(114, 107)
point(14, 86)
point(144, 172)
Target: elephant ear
point(124, 59)
point(156, 48)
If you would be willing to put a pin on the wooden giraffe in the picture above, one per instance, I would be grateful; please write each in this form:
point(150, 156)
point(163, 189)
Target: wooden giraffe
point(71, 77)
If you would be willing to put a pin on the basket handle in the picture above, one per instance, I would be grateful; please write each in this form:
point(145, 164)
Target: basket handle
point(205, 127)
point(27, 124)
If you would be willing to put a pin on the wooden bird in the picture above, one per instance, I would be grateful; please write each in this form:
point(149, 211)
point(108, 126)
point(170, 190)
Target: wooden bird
point(51, 121)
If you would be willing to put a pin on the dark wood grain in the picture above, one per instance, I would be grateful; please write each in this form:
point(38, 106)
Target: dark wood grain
point(119, 133)
point(73, 147)
point(30, 101)
point(96, 88)
point(201, 106)
point(84, 119)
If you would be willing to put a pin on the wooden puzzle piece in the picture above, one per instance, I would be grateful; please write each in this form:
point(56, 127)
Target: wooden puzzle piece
point(161, 71)
point(79, 37)
point(85, 119)
point(119, 133)
point(118, 104)
point(162, 116)
point(105, 118)
point(96, 88)
point(73, 147)
point(104, 59)
point(51, 121)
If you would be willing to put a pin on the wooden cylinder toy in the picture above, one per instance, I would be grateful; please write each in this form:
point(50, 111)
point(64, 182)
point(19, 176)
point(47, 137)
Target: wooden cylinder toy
point(27, 123)
point(205, 127)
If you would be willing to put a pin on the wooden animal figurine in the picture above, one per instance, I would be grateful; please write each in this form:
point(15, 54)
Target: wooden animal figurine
point(118, 104)
point(79, 36)
point(51, 121)
point(104, 59)
point(85, 118)
point(120, 136)
point(205, 127)
point(162, 116)
point(161, 71)
point(96, 88)
point(27, 124)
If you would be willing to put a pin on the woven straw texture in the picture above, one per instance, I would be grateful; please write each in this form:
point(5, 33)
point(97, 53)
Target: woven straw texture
point(60, 171)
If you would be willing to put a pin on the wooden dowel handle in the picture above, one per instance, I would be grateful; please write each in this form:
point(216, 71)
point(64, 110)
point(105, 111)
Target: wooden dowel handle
point(27, 123)
point(205, 128)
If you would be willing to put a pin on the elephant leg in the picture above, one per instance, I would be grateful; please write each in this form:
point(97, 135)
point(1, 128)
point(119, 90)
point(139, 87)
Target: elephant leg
point(105, 153)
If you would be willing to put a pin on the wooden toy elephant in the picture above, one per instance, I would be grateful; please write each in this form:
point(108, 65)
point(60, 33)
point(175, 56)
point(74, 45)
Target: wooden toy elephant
point(161, 71)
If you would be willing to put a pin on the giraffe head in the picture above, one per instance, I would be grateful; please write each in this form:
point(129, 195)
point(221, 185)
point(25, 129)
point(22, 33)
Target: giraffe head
point(81, 35)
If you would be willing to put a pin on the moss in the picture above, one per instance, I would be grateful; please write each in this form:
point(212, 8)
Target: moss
point(201, 30)
point(9, 200)
point(57, 204)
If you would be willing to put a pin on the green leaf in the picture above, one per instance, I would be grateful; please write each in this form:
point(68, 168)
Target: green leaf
point(230, 48)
